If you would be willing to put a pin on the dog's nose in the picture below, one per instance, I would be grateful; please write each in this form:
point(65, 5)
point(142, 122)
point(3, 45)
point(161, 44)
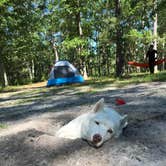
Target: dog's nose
point(97, 138)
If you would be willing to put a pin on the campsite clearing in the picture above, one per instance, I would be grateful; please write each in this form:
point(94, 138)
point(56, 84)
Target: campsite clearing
point(33, 115)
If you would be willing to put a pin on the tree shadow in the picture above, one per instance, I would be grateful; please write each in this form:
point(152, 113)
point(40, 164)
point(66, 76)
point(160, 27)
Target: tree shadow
point(137, 100)
point(144, 108)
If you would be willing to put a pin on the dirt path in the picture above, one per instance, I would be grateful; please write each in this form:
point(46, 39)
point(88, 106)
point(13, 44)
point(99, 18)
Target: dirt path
point(33, 117)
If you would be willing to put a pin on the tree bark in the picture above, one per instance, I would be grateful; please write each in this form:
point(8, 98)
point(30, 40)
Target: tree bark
point(55, 53)
point(31, 69)
point(3, 75)
point(55, 50)
point(155, 35)
point(119, 42)
point(80, 33)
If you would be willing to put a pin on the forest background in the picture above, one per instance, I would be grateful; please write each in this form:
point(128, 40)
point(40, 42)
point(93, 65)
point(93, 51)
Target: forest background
point(98, 37)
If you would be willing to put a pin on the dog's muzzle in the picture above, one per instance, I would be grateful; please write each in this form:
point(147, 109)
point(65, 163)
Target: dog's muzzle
point(97, 138)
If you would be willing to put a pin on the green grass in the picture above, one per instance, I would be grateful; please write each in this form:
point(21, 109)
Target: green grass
point(9, 89)
point(3, 126)
point(143, 77)
point(92, 86)
point(97, 83)
point(129, 79)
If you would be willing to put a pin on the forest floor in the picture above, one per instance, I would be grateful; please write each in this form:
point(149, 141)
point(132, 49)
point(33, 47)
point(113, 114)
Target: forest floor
point(30, 117)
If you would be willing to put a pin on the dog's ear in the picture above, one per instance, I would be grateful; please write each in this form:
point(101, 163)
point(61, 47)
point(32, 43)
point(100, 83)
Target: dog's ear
point(72, 130)
point(124, 122)
point(99, 105)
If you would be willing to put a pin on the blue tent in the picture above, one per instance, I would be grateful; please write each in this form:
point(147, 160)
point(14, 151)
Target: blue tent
point(64, 72)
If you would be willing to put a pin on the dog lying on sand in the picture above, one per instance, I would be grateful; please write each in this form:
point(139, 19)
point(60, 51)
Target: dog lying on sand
point(96, 127)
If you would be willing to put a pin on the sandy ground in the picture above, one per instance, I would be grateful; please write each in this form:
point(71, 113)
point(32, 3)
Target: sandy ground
point(33, 116)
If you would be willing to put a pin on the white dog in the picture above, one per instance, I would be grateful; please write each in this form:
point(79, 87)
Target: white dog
point(97, 126)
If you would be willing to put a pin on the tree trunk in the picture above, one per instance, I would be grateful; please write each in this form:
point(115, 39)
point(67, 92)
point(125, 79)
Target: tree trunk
point(155, 35)
point(163, 66)
point(6, 78)
point(55, 53)
point(80, 33)
point(3, 75)
point(31, 69)
point(55, 50)
point(119, 49)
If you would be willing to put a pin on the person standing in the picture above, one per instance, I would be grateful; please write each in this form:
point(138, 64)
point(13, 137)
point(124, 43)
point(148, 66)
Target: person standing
point(151, 58)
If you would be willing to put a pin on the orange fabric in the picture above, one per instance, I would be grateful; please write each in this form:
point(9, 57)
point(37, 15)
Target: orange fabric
point(146, 64)
point(138, 64)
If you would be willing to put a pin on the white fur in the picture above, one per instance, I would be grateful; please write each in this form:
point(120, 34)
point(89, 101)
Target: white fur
point(99, 121)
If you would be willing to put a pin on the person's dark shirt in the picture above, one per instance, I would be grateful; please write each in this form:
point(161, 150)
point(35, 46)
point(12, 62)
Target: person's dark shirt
point(151, 55)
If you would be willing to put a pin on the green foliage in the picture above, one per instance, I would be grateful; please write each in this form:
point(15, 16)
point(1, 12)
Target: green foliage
point(21, 28)
point(2, 2)
point(75, 43)
point(29, 30)
point(161, 18)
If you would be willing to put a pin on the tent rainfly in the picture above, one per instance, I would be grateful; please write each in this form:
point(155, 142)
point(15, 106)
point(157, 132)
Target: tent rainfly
point(64, 72)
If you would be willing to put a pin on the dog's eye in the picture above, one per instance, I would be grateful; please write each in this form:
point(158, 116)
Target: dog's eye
point(110, 131)
point(97, 122)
